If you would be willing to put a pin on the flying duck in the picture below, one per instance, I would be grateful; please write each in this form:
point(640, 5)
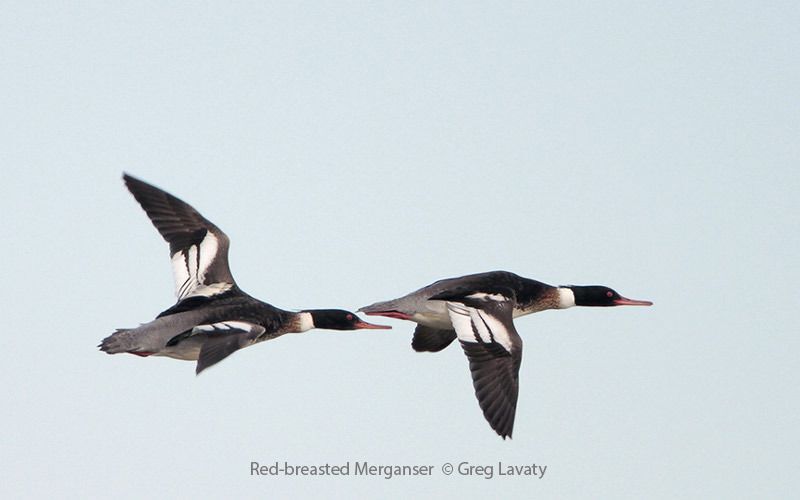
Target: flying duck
point(213, 317)
point(479, 310)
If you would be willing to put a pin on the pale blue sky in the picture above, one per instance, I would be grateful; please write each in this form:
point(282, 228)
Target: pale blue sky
point(356, 151)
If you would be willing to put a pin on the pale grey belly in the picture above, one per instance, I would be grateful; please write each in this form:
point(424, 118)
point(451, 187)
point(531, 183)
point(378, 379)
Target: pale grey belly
point(433, 314)
point(188, 349)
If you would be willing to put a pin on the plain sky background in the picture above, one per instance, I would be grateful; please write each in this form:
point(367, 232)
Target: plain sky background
point(355, 151)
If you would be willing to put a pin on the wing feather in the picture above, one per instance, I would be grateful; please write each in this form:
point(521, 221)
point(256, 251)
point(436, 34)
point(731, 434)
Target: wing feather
point(198, 249)
point(485, 329)
point(220, 340)
point(431, 339)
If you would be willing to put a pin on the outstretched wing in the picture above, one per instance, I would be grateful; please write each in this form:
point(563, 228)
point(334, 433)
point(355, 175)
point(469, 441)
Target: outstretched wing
point(485, 328)
point(220, 340)
point(198, 248)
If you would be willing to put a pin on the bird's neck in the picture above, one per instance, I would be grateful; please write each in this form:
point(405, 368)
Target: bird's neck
point(566, 297)
point(304, 321)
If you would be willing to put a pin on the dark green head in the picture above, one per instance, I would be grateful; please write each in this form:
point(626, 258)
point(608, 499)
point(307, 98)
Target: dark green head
point(338, 319)
point(602, 296)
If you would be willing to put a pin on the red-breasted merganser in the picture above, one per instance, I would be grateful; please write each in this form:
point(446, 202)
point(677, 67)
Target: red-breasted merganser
point(479, 309)
point(213, 318)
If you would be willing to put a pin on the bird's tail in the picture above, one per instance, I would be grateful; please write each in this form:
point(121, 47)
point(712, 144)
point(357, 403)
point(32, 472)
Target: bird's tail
point(119, 341)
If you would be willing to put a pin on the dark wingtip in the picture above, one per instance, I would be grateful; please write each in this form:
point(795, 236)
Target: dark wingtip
point(428, 339)
point(131, 181)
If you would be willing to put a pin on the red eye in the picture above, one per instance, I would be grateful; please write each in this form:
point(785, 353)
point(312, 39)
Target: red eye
point(349, 317)
point(609, 294)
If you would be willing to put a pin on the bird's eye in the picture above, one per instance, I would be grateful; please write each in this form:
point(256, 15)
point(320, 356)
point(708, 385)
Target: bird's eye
point(609, 293)
point(349, 317)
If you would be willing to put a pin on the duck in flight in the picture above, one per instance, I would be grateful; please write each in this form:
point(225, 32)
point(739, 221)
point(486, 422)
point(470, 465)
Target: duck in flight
point(212, 318)
point(479, 310)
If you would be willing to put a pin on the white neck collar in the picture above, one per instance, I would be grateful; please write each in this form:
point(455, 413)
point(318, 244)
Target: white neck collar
point(566, 298)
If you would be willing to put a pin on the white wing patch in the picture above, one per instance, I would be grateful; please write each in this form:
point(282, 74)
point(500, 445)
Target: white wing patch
point(462, 322)
point(209, 290)
point(208, 252)
point(475, 325)
point(180, 272)
point(487, 296)
point(189, 268)
point(226, 327)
